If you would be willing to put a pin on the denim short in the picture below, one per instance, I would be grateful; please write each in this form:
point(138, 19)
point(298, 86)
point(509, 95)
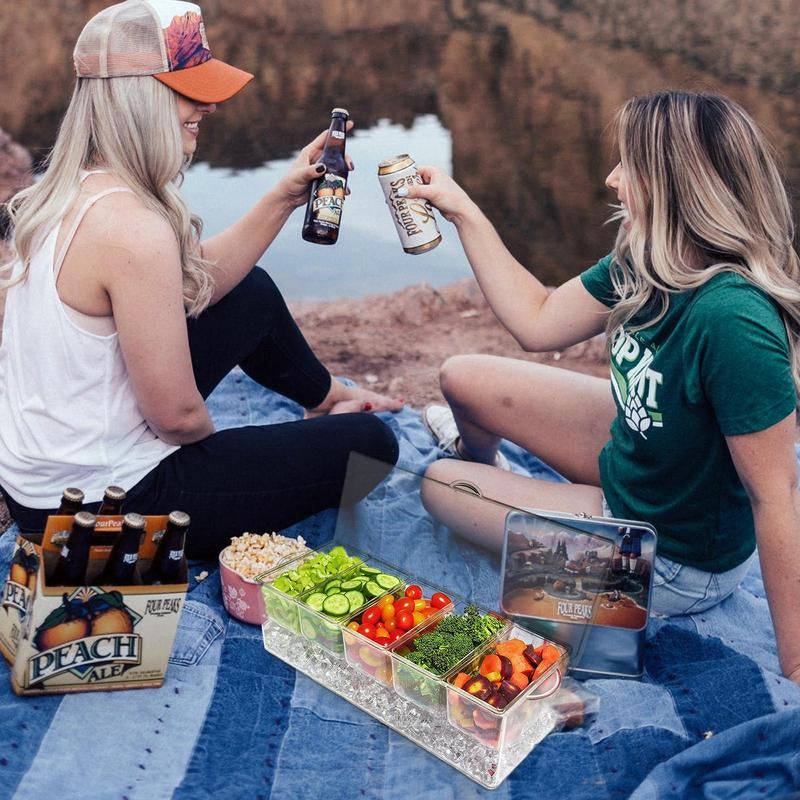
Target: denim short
point(680, 589)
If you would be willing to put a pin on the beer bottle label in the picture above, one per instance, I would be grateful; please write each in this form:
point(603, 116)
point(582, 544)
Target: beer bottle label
point(65, 552)
point(130, 558)
point(175, 555)
point(326, 207)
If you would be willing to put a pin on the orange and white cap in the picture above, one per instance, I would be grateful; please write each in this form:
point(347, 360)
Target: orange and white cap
point(162, 38)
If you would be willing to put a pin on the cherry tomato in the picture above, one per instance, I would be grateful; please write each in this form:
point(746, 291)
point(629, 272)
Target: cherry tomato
point(367, 630)
point(440, 600)
point(390, 625)
point(418, 617)
point(382, 635)
point(405, 620)
point(353, 625)
point(419, 605)
point(386, 600)
point(426, 612)
point(395, 635)
point(387, 612)
point(413, 591)
point(371, 615)
point(404, 604)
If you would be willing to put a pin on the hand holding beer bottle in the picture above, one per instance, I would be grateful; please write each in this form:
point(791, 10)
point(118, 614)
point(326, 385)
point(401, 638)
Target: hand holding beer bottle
point(294, 187)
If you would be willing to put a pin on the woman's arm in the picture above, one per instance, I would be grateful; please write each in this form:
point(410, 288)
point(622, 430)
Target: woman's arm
point(238, 248)
point(767, 465)
point(142, 274)
point(536, 317)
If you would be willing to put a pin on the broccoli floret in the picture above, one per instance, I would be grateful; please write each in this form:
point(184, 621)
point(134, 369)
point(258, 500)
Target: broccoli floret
point(454, 637)
point(439, 652)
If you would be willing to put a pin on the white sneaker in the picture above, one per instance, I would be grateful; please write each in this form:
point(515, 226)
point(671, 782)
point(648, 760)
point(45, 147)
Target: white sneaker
point(441, 423)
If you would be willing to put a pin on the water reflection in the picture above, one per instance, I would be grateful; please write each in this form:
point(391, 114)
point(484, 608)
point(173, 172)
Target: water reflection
point(368, 257)
point(525, 88)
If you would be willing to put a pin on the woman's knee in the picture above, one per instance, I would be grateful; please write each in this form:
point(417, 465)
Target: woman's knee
point(373, 438)
point(458, 376)
point(256, 294)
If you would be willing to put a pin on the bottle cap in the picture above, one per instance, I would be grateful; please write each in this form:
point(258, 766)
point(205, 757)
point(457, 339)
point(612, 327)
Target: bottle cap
point(133, 520)
point(85, 519)
point(73, 495)
point(179, 518)
point(115, 493)
point(340, 111)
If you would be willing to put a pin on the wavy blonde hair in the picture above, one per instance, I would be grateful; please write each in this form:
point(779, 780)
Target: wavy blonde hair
point(708, 197)
point(129, 126)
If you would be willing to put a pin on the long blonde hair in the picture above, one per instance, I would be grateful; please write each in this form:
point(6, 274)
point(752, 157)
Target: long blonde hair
point(130, 126)
point(707, 197)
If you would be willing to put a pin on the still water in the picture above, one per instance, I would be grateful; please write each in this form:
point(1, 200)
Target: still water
point(368, 257)
point(513, 97)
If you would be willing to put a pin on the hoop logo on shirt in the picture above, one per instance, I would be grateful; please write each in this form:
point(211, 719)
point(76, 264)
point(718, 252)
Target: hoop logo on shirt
point(635, 384)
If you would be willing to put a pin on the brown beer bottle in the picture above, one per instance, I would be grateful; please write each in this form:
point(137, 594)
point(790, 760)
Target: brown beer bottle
point(121, 565)
point(166, 564)
point(325, 202)
point(70, 569)
point(113, 499)
point(71, 502)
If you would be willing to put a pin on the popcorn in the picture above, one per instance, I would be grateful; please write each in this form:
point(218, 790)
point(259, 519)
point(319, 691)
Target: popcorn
point(253, 553)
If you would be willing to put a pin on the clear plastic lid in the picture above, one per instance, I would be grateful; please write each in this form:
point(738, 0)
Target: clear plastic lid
point(416, 523)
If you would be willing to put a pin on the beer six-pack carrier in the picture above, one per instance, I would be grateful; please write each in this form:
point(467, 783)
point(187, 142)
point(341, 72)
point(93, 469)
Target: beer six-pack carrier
point(90, 637)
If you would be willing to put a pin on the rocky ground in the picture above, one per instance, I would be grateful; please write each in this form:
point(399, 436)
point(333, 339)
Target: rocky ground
point(393, 343)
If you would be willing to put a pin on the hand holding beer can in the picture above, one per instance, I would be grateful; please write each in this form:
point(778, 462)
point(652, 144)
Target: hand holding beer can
point(413, 217)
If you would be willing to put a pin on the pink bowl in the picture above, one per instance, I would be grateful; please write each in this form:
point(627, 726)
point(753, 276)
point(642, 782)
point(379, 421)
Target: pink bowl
point(241, 596)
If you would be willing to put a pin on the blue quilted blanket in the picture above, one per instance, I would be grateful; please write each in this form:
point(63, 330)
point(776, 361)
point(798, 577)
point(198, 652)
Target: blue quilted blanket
point(712, 718)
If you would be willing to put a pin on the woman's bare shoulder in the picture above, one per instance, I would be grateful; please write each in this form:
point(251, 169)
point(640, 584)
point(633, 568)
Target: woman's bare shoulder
point(121, 223)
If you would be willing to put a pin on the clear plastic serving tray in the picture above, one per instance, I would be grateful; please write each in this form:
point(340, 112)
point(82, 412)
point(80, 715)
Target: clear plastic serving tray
point(432, 731)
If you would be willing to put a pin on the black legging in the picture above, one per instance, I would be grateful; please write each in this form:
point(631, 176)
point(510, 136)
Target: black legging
point(260, 477)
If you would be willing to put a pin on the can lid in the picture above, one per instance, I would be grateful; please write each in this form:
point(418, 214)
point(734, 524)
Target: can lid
point(85, 519)
point(179, 518)
point(340, 111)
point(115, 493)
point(133, 520)
point(73, 495)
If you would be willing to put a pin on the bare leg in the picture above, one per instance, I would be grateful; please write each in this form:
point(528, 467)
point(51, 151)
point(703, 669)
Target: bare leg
point(561, 416)
point(481, 520)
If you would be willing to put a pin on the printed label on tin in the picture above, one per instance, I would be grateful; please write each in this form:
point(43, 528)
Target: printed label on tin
point(552, 572)
point(413, 218)
point(328, 200)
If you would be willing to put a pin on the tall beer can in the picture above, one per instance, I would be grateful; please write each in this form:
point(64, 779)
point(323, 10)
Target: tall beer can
point(413, 217)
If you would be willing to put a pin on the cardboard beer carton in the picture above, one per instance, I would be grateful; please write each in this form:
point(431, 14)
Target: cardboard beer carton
point(86, 638)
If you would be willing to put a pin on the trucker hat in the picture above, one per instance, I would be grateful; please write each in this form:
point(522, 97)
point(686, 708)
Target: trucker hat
point(162, 38)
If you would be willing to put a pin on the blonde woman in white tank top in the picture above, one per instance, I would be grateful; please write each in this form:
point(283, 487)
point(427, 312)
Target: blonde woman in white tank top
point(119, 322)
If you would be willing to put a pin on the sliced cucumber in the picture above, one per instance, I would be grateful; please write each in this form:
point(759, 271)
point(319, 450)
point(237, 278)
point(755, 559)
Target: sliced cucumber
point(347, 585)
point(373, 589)
point(336, 605)
point(333, 590)
point(370, 570)
point(316, 601)
point(355, 599)
point(334, 582)
point(387, 581)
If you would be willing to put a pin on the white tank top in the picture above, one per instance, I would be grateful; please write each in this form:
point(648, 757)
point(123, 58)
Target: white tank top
point(68, 414)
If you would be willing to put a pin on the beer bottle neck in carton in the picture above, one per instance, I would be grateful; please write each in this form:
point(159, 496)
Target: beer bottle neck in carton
point(166, 564)
point(71, 566)
point(121, 565)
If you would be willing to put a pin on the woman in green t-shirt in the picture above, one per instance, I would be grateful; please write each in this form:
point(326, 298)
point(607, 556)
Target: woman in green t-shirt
point(700, 301)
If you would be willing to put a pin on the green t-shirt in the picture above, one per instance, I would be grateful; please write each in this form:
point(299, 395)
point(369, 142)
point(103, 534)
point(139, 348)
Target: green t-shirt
point(716, 365)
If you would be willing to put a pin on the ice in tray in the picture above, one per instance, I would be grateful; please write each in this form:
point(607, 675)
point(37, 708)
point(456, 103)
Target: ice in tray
point(421, 662)
point(396, 616)
point(495, 695)
point(323, 610)
point(283, 586)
